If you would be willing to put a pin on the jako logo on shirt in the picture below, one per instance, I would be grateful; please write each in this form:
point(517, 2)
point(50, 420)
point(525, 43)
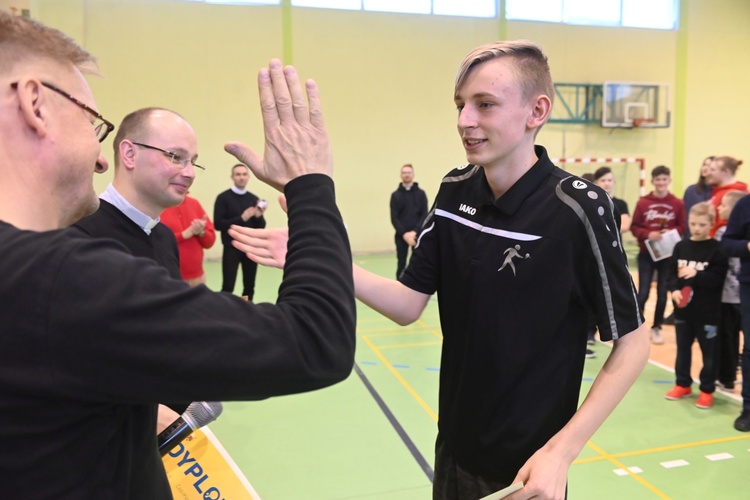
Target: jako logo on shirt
point(466, 208)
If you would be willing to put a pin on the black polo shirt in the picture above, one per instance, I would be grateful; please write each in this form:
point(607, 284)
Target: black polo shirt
point(515, 277)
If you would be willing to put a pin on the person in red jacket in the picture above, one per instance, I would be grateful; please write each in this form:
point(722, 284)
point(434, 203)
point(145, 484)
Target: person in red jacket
point(656, 213)
point(721, 176)
point(194, 231)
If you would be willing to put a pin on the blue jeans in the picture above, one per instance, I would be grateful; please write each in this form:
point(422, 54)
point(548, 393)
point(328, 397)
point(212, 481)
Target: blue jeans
point(646, 269)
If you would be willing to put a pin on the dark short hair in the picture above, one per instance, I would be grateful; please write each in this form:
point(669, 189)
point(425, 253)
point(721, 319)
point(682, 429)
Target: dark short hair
point(660, 170)
point(240, 165)
point(601, 172)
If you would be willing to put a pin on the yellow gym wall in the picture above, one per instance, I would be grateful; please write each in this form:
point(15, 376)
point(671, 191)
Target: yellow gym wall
point(387, 84)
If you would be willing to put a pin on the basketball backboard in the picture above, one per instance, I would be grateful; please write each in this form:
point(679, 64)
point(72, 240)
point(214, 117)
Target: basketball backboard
point(635, 104)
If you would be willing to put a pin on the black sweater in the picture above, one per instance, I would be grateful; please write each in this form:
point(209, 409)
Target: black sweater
point(110, 222)
point(408, 209)
point(711, 264)
point(89, 336)
point(228, 209)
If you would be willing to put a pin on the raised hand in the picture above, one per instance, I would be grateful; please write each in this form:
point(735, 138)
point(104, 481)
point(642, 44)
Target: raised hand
point(296, 140)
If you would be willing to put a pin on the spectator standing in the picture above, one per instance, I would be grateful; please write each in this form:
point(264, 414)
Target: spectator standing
point(698, 268)
point(721, 176)
point(730, 322)
point(605, 179)
point(194, 232)
point(736, 243)
point(656, 213)
point(698, 192)
point(408, 211)
point(238, 206)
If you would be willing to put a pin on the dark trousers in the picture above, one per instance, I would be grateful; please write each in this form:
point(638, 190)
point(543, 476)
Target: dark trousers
point(745, 306)
point(646, 270)
point(402, 251)
point(708, 340)
point(453, 482)
point(729, 342)
point(231, 258)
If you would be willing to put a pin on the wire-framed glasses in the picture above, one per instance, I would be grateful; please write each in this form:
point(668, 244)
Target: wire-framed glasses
point(101, 125)
point(176, 158)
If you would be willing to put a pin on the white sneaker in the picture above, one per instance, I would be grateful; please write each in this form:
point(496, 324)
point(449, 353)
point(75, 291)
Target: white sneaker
point(656, 337)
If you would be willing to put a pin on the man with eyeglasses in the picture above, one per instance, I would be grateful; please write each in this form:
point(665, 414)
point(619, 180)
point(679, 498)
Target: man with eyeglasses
point(89, 333)
point(148, 180)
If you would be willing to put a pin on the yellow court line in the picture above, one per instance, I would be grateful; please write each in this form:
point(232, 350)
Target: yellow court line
point(432, 331)
point(391, 333)
point(420, 344)
point(401, 379)
point(664, 448)
point(637, 477)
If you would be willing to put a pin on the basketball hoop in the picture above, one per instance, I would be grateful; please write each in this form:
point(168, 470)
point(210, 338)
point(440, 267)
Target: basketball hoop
point(638, 122)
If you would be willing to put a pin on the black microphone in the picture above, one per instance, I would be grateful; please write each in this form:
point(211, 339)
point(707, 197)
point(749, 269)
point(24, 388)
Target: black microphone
point(195, 416)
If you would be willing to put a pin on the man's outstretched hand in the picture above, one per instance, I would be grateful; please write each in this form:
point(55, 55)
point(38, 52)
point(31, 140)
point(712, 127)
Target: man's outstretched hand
point(296, 140)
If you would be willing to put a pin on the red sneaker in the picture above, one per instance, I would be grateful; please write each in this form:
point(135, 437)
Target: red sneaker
point(705, 400)
point(679, 392)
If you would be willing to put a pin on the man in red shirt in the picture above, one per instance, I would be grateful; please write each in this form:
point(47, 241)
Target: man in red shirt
point(194, 232)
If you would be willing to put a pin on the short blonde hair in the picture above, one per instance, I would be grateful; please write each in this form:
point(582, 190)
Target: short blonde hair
point(22, 38)
point(704, 208)
point(531, 65)
point(731, 198)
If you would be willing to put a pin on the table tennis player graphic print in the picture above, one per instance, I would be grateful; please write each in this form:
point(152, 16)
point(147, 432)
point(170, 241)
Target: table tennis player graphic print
point(510, 254)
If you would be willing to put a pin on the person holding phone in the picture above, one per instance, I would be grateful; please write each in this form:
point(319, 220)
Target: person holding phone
point(240, 207)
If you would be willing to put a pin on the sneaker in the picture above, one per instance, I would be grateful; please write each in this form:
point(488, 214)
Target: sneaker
point(590, 354)
point(705, 400)
point(729, 386)
point(679, 392)
point(743, 421)
point(656, 337)
point(591, 341)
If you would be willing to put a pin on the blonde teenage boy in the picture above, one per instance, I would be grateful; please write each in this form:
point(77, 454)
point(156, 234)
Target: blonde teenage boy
point(518, 252)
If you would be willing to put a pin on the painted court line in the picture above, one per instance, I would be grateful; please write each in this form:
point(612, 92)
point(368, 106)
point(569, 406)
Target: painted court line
point(623, 472)
point(396, 425)
point(674, 463)
point(719, 456)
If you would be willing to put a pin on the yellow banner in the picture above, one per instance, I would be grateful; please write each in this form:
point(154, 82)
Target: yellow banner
point(199, 468)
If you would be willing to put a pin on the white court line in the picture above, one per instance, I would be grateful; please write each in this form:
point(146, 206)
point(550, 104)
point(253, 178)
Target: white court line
point(674, 463)
point(719, 456)
point(623, 472)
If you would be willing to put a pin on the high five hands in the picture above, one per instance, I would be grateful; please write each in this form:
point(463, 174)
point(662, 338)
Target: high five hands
point(296, 140)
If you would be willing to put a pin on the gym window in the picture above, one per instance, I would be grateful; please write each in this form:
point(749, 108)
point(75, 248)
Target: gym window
point(656, 14)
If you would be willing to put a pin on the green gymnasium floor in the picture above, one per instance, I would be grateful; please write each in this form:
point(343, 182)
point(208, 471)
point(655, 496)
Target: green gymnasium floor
point(371, 437)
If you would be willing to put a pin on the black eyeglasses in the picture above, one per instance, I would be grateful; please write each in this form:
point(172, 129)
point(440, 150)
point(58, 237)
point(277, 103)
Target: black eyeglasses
point(102, 127)
point(176, 158)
